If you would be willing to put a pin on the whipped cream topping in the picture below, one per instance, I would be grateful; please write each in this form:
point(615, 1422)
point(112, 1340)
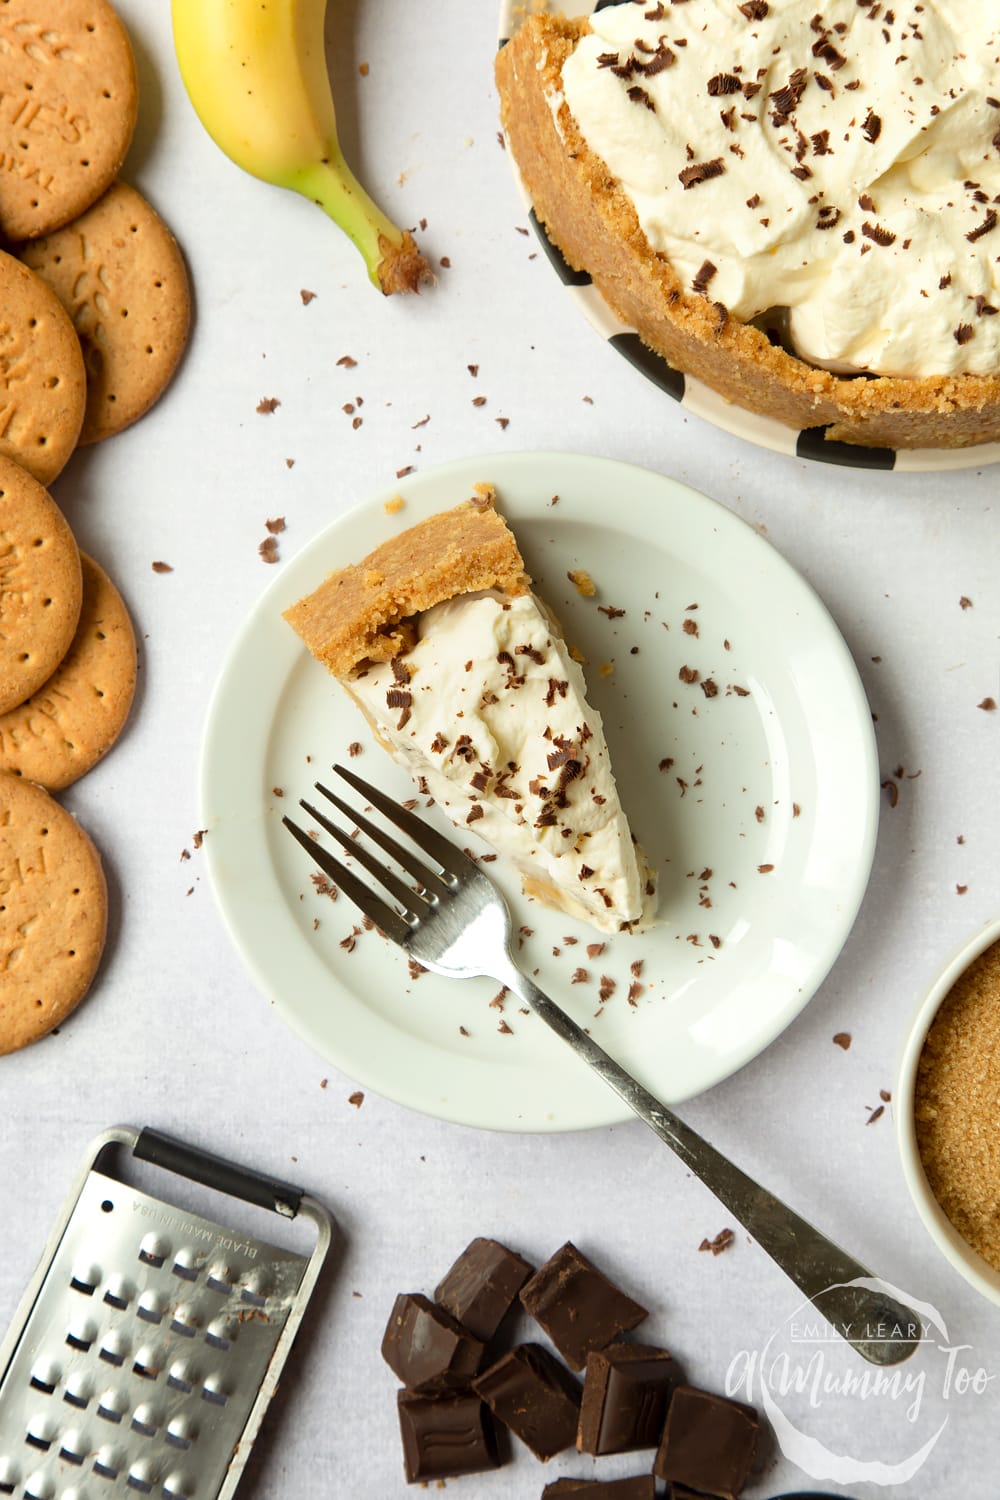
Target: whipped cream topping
point(836, 158)
point(490, 710)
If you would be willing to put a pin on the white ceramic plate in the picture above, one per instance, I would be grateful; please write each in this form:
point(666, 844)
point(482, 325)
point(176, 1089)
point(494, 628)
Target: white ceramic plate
point(692, 394)
point(797, 734)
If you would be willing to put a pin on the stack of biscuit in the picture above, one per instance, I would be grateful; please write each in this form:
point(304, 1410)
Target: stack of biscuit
point(95, 316)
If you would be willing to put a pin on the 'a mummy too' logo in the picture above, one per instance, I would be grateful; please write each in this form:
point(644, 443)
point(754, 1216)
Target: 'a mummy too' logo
point(811, 1384)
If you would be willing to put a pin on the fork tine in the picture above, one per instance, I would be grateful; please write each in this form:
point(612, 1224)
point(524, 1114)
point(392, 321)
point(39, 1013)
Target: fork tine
point(420, 872)
point(443, 850)
point(415, 904)
point(384, 916)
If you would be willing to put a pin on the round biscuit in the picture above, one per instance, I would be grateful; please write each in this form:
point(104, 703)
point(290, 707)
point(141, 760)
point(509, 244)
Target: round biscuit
point(53, 913)
point(41, 585)
point(118, 272)
point(43, 382)
point(76, 716)
point(69, 99)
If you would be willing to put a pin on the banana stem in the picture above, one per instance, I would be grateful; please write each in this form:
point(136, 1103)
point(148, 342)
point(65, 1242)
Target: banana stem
point(390, 253)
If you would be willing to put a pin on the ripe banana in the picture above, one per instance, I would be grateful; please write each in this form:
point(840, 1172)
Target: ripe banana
point(256, 74)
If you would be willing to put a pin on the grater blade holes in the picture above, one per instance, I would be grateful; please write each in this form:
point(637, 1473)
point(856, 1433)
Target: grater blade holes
point(146, 1418)
point(39, 1487)
point(182, 1377)
point(187, 1265)
point(181, 1432)
point(151, 1307)
point(141, 1477)
point(214, 1391)
point(45, 1377)
point(108, 1462)
point(148, 1362)
point(220, 1279)
point(78, 1390)
point(10, 1476)
point(111, 1407)
point(119, 1292)
point(186, 1321)
point(42, 1432)
point(153, 1251)
point(220, 1333)
point(178, 1487)
point(257, 1285)
point(72, 1450)
point(114, 1349)
point(85, 1278)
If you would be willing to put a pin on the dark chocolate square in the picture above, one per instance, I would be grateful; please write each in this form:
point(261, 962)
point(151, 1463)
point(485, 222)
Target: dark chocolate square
point(445, 1435)
point(626, 1392)
point(641, 1487)
point(576, 1304)
point(535, 1396)
point(482, 1285)
point(708, 1443)
point(426, 1348)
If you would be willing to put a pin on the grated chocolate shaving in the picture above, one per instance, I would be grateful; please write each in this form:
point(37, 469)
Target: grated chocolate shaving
point(988, 224)
point(724, 83)
point(700, 171)
point(786, 99)
point(700, 283)
point(639, 96)
point(878, 233)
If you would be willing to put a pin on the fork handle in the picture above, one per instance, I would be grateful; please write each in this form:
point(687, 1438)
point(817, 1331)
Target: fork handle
point(883, 1330)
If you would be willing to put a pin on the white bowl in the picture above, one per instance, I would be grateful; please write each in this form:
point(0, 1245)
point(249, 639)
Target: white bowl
point(977, 1271)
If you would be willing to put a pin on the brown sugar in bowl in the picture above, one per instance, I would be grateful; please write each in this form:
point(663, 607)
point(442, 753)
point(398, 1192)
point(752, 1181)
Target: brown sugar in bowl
point(948, 1111)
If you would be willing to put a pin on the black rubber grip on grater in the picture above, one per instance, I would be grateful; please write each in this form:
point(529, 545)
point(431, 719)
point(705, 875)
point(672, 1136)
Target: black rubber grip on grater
point(215, 1172)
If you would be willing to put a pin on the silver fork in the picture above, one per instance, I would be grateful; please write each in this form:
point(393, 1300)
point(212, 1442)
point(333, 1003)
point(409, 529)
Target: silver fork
point(456, 923)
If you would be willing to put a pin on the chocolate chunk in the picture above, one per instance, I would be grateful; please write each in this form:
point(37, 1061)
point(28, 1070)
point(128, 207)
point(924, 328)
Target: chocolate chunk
point(535, 1396)
point(625, 1396)
point(444, 1436)
point(642, 1487)
point(576, 1304)
point(482, 1285)
point(708, 1443)
point(425, 1346)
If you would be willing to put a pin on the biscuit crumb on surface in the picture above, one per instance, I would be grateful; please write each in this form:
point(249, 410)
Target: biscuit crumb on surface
point(582, 582)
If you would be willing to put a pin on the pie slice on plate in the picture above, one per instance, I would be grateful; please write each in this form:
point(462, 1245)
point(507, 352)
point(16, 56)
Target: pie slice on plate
point(466, 680)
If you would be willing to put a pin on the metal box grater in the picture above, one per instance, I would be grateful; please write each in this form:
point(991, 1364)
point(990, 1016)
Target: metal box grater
point(150, 1340)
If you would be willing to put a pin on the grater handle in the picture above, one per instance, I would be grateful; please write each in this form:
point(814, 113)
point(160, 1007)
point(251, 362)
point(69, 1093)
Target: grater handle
point(215, 1172)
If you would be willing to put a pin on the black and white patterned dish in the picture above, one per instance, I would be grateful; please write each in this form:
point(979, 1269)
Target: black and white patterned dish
point(693, 394)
